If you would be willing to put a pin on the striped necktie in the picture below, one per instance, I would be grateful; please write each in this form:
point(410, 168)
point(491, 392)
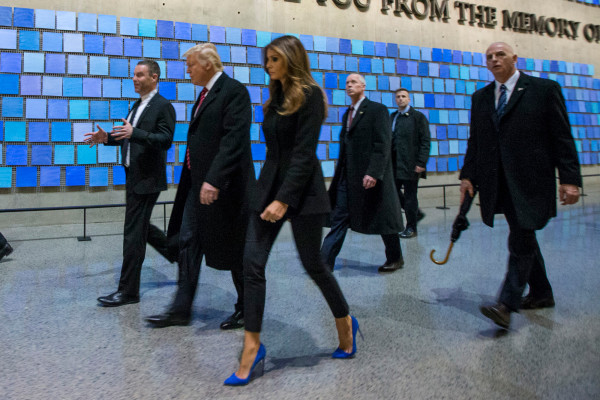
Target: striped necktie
point(501, 101)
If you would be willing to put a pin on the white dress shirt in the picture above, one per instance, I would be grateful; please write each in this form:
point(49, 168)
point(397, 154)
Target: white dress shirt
point(510, 87)
point(145, 99)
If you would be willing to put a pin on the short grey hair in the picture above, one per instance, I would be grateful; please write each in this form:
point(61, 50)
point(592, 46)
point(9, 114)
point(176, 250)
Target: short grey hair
point(206, 52)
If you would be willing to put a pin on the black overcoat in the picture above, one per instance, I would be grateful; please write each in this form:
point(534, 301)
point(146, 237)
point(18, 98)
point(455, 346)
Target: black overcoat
point(219, 144)
point(410, 144)
point(366, 150)
point(531, 140)
point(292, 173)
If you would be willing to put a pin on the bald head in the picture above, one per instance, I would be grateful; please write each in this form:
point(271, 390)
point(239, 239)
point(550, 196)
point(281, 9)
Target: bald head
point(501, 61)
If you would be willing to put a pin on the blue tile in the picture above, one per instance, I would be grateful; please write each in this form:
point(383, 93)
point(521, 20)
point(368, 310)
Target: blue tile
point(447, 55)
point(437, 55)
point(427, 85)
point(332, 45)
point(93, 44)
point(87, 22)
point(164, 29)
point(450, 84)
point(406, 83)
point(6, 16)
point(38, 131)
point(444, 71)
point(29, 40)
point(119, 67)
point(357, 47)
point(170, 50)
point(98, 176)
point(55, 63)
point(107, 24)
point(113, 46)
point(257, 76)
point(259, 151)
point(99, 65)
point(10, 62)
point(23, 17)
point(371, 82)
point(238, 55)
point(129, 26)
point(151, 48)
point(26, 177)
point(448, 101)
point(241, 74)
point(233, 35)
point(86, 154)
point(377, 66)
point(73, 43)
point(307, 42)
point(434, 70)
point(183, 30)
point(66, 21)
point(12, 107)
point(31, 85)
point(456, 57)
point(168, 90)
point(52, 41)
point(392, 50)
point(331, 81)
point(14, 131)
point(318, 77)
point(249, 37)
point(200, 32)
point(8, 39)
point(383, 83)
point(16, 155)
point(33, 62)
point(345, 46)
point(49, 176)
point(79, 109)
point(423, 69)
point(352, 64)
point(98, 110)
point(339, 62)
point(217, 34)
point(41, 155)
point(380, 49)
point(35, 108)
point(120, 108)
point(254, 55)
point(425, 54)
point(368, 48)
point(224, 53)
point(324, 61)
point(412, 67)
point(389, 65)
point(263, 38)
point(477, 59)
point(438, 85)
point(119, 174)
point(415, 53)
point(364, 65)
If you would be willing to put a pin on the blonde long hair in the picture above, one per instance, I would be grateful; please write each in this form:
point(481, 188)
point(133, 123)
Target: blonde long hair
point(298, 77)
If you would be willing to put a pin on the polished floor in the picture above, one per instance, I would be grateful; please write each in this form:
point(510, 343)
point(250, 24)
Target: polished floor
point(424, 337)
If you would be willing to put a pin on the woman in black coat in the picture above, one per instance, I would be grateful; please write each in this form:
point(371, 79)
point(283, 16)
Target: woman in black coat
point(290, 186)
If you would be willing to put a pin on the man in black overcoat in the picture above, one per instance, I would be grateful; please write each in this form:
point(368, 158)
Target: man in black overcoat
point(520, 135)
point(210, 214)
point(410, 152)
point(5, 247)
point(144, 138)
point(362, 193)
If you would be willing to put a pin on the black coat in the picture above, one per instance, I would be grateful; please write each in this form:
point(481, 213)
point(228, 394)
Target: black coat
point(530, 141)
point(292, 173)
point(410, 144)
point(366, 150)
point(149, 142)
point(219, 145)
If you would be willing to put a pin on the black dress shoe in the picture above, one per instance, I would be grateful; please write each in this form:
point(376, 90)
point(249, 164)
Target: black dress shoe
point(168, 319)
point(6, 250)
point(117, 299)
point(235, 321)
point(530, 302)
point(498, 313)
point(408, 233)
point(391, 267)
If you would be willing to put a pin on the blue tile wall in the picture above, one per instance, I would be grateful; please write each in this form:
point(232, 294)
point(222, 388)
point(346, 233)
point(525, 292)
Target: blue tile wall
point(62, 72)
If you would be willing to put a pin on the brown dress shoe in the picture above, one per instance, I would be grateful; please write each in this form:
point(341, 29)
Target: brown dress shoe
point(530, 302)
point(391, 267)
point(498, 313)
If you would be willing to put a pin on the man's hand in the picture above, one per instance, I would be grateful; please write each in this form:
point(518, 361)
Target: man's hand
point(122, 132)
point(418, 169)
point(100, 136)
point(208, 194)
point(465, 185)
point(369, 182)
point(568, 194)
point(274, 211)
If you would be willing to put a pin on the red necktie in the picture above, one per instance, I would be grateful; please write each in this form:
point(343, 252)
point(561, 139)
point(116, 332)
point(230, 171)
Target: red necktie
point(187, 151)
point(349, 123)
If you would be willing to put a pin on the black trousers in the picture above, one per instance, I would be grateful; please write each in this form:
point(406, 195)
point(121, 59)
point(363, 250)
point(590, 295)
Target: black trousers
point(138, 211)
point(2, 240)
point(407, 192)
point(191, 253)
point(340, 222)
point(307, 230)
point(525, 261)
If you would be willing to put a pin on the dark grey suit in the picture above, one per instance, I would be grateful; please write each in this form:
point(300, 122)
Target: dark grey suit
point(512, 162)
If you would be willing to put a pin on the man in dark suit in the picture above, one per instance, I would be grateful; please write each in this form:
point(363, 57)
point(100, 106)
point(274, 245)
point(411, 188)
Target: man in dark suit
point(144, 138)
point(362, 192)
point(5, 248)
point(211, 206)
point(410, 152)
point(520, 135)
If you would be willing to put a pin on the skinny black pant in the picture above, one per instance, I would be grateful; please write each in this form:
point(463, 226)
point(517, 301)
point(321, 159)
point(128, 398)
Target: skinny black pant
point(307, 230)
point(138, 211)
point(340, 222)
point(407, 193)
point(525, 264)
point(191, 254)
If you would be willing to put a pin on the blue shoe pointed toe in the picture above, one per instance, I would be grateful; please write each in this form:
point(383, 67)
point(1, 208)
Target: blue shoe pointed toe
point(256, 371)
point(339, 353)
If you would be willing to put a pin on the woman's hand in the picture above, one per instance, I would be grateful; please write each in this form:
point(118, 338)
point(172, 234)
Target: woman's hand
point(274, 212)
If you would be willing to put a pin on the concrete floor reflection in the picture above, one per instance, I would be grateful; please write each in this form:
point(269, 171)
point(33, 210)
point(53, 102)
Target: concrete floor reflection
point(424, 335)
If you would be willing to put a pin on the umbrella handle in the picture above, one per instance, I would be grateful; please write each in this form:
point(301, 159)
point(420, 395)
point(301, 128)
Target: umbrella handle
point(445, 260)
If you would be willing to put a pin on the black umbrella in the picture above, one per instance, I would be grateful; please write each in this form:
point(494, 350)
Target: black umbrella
point(460, 224)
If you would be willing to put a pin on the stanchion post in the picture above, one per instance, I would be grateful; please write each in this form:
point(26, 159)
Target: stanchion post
point(444, 206)
point(84, 238)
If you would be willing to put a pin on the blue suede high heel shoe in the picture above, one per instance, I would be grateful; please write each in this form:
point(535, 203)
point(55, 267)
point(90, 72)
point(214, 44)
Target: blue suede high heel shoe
point(339, 353)
point(258, 368)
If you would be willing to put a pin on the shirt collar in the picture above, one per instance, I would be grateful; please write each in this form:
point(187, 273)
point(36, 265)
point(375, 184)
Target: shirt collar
point(212, 80)
point(358, 103)
point(405, 110)
point(510, 83)
point(147, 97)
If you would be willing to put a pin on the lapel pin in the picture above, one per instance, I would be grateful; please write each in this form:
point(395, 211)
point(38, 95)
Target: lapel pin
point(519, 89)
